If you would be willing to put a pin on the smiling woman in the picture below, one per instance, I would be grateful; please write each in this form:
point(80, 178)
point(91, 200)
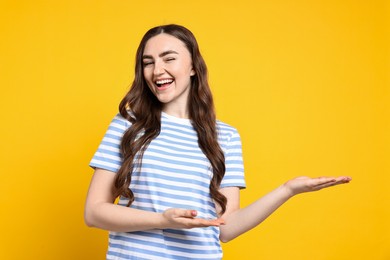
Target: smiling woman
point(177, 170)
point(168, 70)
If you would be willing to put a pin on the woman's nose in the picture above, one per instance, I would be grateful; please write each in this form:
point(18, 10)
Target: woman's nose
point(158, 68)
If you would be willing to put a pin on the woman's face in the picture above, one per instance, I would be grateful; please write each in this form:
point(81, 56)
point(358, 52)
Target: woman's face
point(167, 68)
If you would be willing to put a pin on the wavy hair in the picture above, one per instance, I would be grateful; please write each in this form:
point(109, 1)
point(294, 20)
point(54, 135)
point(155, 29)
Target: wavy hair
point(143, 110)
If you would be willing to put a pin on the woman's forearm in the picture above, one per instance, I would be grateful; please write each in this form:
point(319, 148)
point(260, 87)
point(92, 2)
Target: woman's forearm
point(101, 212)
point(244, 219)
point(113, 217)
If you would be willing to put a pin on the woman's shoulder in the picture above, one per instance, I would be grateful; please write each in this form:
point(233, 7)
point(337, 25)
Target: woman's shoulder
point(120, 121)
point(226, 128)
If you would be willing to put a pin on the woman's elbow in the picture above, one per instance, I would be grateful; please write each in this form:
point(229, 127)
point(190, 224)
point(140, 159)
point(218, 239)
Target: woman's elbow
point(88, 217)
point(225, 238)
point(88, 222)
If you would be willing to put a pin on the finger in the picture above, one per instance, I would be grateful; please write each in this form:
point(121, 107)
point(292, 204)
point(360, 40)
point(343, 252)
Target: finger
point(334, 180)
point(187, 213)
point(323, 181)
point(344, 179)
point(334, 183)
point(192, 213)
point(325, 185)
point(208, 222)
point(219, 221)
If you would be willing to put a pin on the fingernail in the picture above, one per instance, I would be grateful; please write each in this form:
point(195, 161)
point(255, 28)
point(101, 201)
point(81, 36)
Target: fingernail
point(194, 213)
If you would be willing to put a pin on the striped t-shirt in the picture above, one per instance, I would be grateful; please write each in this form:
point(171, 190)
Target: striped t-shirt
point(174, 174)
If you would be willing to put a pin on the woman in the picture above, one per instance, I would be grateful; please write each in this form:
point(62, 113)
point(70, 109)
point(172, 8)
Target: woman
point(176, 169)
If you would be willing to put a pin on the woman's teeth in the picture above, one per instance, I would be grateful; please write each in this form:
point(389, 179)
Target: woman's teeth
point(163, 83)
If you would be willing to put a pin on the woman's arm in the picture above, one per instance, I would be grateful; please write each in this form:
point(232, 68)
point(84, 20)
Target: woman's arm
point(101, 212)
point(239, 221)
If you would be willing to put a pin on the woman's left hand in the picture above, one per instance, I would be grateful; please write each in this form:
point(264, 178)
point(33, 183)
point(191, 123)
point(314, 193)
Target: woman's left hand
point(307, 184)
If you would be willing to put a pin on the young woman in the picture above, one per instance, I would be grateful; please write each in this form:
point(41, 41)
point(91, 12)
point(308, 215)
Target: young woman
point(176, 169)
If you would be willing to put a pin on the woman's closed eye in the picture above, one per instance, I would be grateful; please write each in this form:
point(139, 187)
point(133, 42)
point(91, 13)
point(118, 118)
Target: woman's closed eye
point(147, 62)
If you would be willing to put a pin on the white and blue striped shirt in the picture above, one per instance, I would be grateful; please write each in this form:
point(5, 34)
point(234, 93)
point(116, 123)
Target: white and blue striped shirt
point(174, 174)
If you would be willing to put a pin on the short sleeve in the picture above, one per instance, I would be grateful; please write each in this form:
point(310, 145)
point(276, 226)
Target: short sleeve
point(108, 155)
point(234, 174)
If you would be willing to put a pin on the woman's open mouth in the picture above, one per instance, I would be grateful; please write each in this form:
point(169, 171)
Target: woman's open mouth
point(163, 83)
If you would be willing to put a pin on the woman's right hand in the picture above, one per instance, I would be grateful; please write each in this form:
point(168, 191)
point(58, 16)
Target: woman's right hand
point(186, 218)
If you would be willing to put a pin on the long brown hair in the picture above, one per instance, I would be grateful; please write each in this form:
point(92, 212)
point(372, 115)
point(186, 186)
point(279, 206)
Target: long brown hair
point(143, 110)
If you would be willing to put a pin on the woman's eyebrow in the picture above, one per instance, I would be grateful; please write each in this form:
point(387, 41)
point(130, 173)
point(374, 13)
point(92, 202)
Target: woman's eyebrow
point(166, 53)
point(160, 55)
point(147, 57)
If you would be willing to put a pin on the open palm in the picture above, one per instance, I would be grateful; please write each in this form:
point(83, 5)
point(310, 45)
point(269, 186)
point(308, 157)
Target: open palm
point(307, 184)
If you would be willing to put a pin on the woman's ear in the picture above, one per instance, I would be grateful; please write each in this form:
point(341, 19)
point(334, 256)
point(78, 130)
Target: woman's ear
point(192, 73)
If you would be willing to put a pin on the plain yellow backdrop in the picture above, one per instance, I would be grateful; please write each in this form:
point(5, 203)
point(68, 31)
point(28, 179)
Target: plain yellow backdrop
point(305, 82)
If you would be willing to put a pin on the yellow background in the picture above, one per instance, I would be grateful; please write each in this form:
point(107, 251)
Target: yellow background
point(305, 82)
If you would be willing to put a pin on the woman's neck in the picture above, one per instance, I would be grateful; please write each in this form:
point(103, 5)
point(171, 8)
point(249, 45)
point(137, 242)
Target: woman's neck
point(180, 112)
